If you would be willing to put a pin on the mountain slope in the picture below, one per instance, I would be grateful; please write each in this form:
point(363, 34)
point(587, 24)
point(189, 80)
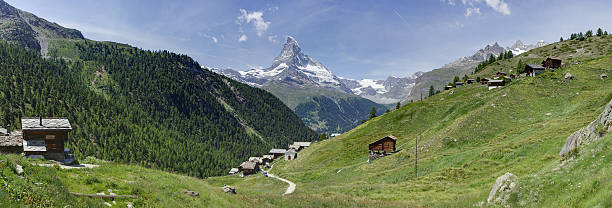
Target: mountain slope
point(157, 109)
point(27, 30)
point(322, 100)
point(469, 138)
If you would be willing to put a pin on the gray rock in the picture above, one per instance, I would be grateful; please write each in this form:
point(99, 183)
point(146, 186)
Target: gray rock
point(603, 76)
point(18, 169)
point(229, 189)
point(569, 76)
point(503, 187)
point(593, 132)
point(192, 193)
point(108, 204)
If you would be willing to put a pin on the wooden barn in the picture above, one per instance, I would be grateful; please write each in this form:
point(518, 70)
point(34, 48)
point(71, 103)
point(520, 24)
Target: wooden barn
point(484, 81)
point(300, 145)
point(267, 158)
point(552, 63)
point(385, 144)
point(277, 152)
point(496, 83)
point(458, 84)
point(256, 160)
point(534, 70)
point(249, 168)
point(45, 137)
point(470, 81)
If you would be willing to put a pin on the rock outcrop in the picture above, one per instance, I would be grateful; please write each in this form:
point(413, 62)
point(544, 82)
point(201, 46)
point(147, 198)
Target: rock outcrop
point(593, 132)
point(503, 187)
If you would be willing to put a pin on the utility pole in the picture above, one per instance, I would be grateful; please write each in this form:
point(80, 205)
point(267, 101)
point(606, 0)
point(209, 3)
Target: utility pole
point(416, 157)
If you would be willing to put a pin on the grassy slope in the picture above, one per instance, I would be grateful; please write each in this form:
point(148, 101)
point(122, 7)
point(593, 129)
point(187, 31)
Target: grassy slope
point(154, 188)
point(467, 140)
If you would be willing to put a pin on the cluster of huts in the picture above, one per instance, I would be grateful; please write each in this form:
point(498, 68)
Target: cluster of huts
point(38, 138)
point(500, 78)
point(252, 165)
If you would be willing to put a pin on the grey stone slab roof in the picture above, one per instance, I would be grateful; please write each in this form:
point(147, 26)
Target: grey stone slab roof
point(496, 80)
point(14, 139)
point(278, 151)
point(248, 165)
point(271, 157)
point(302, 144)
point(34, 146)
point(535, 66)
point(290, 152)
point(47, 124)
point(233, 170)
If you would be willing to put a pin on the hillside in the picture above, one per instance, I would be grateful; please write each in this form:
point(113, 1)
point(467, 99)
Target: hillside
point(469, 138)
point(27, 30)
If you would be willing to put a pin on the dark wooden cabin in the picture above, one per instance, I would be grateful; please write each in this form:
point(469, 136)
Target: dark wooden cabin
point(484, 81)
point(470, 81)
point(249, 168)
point(277, 152)
point(45, 137)
point(501, 74)
point(458, 84)
point(551, 63)
point(385, 144)
point(448, 87)
point(534, 70)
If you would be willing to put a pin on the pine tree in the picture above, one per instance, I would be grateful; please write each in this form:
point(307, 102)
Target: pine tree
point(501, 56)
point(491, 59)
point(477, 79)
point(561, 39)
point(465, 78)
point(387, 111)
point(520, 67)
point(589, 33)
point(456, 79)
point(599, 32)
point(398, 105)
point(431, 90)
point(605, 33)
point(373, 113)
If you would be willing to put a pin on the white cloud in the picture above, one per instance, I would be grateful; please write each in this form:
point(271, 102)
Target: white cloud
point(214, 39)
point(499, 6)
point(242, 38)
point(449, 2)
point(257, 18)
point(272, 38)
point(472, 11)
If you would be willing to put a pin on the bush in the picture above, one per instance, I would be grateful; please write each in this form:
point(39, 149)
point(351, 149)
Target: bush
point(91, 180)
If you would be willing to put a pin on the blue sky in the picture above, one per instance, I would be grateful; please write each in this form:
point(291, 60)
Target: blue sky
point(354, 39)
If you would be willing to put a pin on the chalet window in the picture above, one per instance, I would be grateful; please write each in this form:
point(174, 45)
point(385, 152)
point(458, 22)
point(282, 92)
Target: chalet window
point(49, 136)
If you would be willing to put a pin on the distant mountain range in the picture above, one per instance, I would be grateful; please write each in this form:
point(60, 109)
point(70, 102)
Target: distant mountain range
point(324, 101)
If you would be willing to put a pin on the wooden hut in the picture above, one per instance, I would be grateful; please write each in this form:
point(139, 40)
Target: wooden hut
point(277, 152)
point(458, 84)
point(249, 168)
point(448, 87)
point(496, 83)
point(11, 142)
point(470, 81)
point(45, 137)
point(551, 63)
point(267, 158)
point(484, 81)
point(301, 145)
point(290, 154)
point(534, 70)
point(256, 160)
point(500, 74)
point(385, 144)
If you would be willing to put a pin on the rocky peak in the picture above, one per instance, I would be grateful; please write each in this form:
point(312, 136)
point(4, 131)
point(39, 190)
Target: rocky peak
point(291, 54)
point(518, 44)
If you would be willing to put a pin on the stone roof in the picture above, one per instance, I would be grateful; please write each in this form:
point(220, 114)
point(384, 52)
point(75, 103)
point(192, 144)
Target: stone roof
point(496, 80)
point(535, 66)
point(14, 139)
point(34, 146)
point(47, 124)
point(233, 170)
point(302, 144)
point(278, 151)
point(255, 159)
point(248, 165)
point(290, 152)
point(271, 157)
point(390, 136)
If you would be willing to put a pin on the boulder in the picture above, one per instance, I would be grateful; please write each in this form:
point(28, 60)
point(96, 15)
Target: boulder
point(569, 76)
point(603, 76)
point(229, 189)
point(18, 169)
point(192, 193)
point(503, 187)
point(593, 132)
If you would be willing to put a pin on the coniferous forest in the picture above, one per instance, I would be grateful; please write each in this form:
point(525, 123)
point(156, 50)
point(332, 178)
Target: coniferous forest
point(153, 108)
